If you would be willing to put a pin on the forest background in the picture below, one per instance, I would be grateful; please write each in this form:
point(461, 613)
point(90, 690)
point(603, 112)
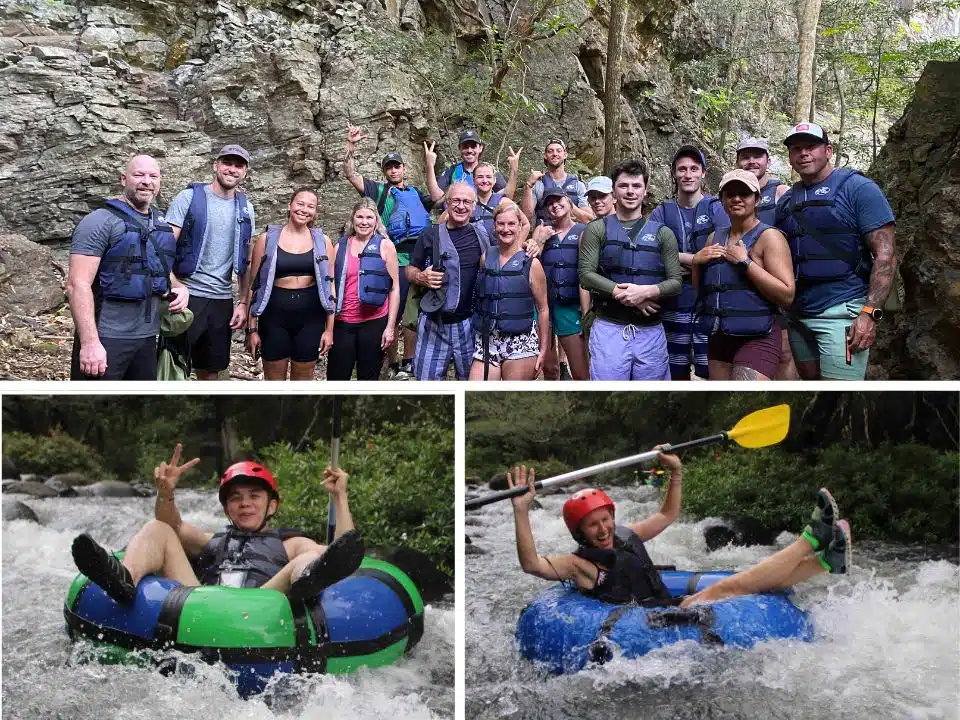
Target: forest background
point(890, 458)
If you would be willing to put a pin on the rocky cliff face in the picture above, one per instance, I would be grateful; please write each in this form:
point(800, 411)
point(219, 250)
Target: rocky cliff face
point(84, 85)
point(919, 169)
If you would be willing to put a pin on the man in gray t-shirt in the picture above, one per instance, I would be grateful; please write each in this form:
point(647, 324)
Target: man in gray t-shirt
point(206, 260)
point(114, 294)
point(555, 159)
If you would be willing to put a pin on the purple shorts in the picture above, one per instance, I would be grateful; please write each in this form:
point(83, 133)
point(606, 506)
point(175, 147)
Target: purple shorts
point(628, 352)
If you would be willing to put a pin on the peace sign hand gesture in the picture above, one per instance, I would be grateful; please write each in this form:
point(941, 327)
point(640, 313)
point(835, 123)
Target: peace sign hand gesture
point(429, 156)
point(513, 157)
point(167, 475)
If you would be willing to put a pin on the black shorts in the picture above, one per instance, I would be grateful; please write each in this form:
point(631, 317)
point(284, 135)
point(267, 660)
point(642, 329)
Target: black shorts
point(127, 359)
point(291, 325)
point(208, 339)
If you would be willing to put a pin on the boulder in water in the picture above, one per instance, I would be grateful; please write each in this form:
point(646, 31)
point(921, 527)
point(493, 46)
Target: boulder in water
point(109, 488)
point(743, 532)
point(72, 479)
point(62, 489)
point(29, 487)
point(16, 510)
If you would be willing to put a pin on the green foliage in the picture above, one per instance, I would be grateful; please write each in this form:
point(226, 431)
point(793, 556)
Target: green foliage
point(52, 454)
point(401, 487)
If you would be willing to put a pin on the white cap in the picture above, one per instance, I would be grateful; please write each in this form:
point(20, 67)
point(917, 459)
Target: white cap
point(600, 184)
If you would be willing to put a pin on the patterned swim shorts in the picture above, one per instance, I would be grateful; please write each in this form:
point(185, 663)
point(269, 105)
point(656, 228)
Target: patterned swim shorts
point(508, 347)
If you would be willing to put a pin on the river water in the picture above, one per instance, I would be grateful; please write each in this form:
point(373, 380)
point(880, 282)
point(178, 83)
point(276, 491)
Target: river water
point(887, 635)
point(43, 681)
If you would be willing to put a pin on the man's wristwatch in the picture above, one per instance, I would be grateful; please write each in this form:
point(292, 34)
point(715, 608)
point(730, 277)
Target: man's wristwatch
point(875, 313)
point(249, 331)
point(746, 262)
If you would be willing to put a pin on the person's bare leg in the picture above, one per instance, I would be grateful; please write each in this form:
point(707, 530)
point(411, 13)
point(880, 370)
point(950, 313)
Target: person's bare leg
point(302, 370)
point(807, 569)
point(719, 370)
point(275, 369)
point(769, 574)
point(476, 371)
point(207, 375)
point(282, 581)
point(522, 369)
point(156, 550)
point(576, 351)
point(787, 369)
point(409, 343)
point(743, 372)
point(551, 363)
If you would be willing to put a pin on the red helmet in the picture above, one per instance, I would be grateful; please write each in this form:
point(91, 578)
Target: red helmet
point(247, 470)
point(581, 504)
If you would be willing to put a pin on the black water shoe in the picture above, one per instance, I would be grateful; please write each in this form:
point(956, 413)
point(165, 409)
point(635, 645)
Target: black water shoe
point(837, 557)
point(819, 533)
point(342, 558)
point(104, 569)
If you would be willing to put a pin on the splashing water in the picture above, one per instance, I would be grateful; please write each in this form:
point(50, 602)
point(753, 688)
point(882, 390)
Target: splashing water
point(44, 678)
point(887, 635)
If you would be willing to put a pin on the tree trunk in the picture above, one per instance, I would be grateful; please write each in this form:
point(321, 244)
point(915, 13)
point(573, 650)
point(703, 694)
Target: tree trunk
point(807, 40)
point(611, 90)
point(876, 96)
point(228, 449)
point(838, 141)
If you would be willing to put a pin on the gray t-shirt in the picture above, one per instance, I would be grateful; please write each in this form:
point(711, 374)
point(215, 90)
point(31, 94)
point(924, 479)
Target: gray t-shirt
point(119, 319)
point(581, 192)
point(213, 277)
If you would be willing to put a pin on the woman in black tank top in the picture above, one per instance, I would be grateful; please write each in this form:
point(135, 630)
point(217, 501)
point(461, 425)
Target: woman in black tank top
point(294, 328)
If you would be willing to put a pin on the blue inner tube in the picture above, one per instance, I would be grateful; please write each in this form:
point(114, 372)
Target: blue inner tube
point(565, 630)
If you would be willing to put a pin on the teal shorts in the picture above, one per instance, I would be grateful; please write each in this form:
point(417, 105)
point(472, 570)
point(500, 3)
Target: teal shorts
point(565, 320)
point(823, 337)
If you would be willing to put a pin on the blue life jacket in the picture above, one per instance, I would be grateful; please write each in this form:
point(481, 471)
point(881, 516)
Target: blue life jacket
point(461, 175)
point(729, 294)
point(138, 266)
point(673, 219)
point(504, 299)
point(830, 259)
point(569, 186)
point(767, 207)
point(190, 246)
point(263, 284)
point(631, 261)
point(483, 213)
point(625, 573)
point(373, 281)
point(560, 258)
point(443, 257)
point(241, 559)
point(710, 216)
point(409, 217)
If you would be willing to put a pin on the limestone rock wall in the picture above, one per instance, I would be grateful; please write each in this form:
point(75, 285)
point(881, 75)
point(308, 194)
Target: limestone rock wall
point(919, 169)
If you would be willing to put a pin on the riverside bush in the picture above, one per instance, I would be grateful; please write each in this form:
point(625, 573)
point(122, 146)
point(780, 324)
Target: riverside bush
point(400, 488)
point(53, 453)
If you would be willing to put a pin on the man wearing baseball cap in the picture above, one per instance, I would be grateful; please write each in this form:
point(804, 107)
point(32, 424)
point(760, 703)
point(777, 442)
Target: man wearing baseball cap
point(600, 196)
point(213, 224)
point(405, 212)
point(471, 151)
point(753, 155)
point(840, 229)
point(554, 158)
point(692, 216)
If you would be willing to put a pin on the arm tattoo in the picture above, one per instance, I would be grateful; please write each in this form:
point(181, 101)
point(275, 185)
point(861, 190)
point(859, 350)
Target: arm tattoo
point(742, 372)
point(884, 265)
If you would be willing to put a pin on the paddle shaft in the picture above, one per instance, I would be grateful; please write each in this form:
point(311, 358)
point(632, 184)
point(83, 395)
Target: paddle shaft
point(574, 475)
point(334, 463)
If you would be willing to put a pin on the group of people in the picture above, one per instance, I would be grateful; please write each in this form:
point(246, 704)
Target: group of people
point(765, 281)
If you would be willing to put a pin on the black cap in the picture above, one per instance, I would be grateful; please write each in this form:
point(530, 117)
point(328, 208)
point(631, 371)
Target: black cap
point(470, 136)
point(391, 157)
point(553, 192)
point(690, 151)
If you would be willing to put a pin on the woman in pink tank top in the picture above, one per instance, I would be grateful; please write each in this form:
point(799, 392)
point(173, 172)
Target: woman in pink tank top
point(368, 297)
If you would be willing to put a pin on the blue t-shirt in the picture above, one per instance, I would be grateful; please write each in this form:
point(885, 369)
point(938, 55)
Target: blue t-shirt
point(860, 203)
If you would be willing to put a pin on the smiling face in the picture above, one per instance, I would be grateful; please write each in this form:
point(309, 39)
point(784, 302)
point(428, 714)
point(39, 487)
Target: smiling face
point(506, 226)
point(230, 171)
point(738, 200)
point(558, 207)
point(141, 181)
point(688, 174)
point(470, 152)
point(597, 528)
point(303, 208)
point(364, 222)
point(810, 157)
point(483, 178)
point(629, 191)
point(394, 173)
point(753, 160)
point(248, 505)
point(600, 203)
point(554, 156)
point(460, 199)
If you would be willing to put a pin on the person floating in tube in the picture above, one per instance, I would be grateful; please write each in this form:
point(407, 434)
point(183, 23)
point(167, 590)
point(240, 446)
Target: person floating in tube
point(246, 553)
point(612, 564)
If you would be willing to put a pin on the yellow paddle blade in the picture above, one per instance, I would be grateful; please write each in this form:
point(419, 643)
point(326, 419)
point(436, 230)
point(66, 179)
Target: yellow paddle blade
point(762, 428)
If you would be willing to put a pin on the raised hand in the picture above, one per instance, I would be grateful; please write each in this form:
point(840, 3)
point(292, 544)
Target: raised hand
point(513, 157)
point(429, 156)
point(167, 475)
point(354, 135)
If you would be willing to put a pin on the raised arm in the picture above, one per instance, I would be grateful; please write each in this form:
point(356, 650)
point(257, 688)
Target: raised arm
point(513, 159)
point(670, 509)
point(430, 170)
point(166, 476)
point(335, 483)
point(354, 135)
